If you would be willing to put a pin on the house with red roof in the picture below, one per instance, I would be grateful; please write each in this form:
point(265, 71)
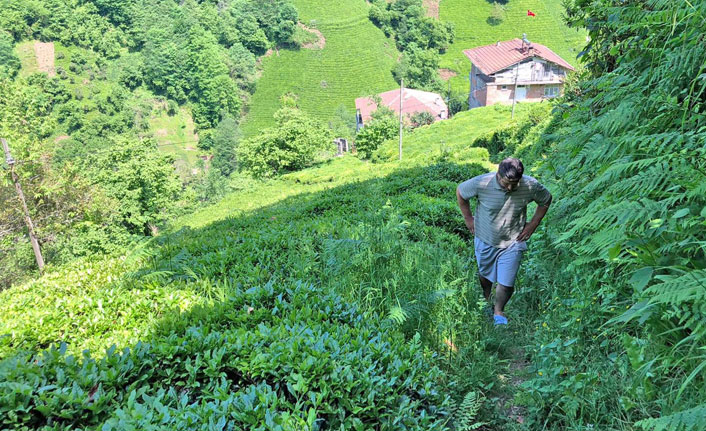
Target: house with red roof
point(515, 69)
point(413, 101)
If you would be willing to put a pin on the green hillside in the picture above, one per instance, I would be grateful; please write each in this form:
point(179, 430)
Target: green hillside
point(356, 61)
point(345, 296)
point(451, 140)
point(473, 28)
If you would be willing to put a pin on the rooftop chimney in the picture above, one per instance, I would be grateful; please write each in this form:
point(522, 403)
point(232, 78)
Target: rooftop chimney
point(526, 42)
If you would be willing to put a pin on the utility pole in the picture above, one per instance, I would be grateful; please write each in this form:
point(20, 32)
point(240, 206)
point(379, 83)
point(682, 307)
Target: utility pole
point(514, 92)
point(525, 41)
point(15, 178)
point(401, 87)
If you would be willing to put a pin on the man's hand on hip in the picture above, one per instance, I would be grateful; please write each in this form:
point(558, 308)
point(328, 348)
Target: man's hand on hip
point(527, 232)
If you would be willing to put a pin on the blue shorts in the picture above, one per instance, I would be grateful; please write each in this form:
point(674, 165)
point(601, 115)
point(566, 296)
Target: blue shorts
point(499, 264)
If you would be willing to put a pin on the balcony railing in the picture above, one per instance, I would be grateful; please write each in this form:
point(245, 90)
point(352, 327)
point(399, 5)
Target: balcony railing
point(546, 76)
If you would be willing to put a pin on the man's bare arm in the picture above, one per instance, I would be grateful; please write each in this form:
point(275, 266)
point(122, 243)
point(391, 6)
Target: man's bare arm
point(530, 227)
point(466, 211)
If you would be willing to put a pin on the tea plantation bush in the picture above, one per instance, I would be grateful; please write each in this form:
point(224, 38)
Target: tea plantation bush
point(289, 353)
point(275, 357)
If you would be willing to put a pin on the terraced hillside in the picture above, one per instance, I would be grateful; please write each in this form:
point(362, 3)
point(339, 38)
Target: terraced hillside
point(356, 61)
point(475, 27)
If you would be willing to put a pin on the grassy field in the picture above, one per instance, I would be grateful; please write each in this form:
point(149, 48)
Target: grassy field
point(356, 61)
point(473, 29)
point(25, 52)
point(175, 134)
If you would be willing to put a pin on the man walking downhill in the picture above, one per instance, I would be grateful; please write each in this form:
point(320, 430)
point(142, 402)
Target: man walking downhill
point(500, 225)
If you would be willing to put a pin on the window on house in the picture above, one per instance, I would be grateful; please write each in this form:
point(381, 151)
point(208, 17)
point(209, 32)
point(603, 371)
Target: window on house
point(551, 91)
point(504, 87)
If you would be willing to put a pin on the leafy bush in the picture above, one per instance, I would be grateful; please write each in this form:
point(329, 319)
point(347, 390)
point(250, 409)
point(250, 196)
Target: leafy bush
point(291, 145)
point(422, 118)
point(377, 131)
point(9, 63)
point(497, 15)
point(289, 357)
point(141, 179)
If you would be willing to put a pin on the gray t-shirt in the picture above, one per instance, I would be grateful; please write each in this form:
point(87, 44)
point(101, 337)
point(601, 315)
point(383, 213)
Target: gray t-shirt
point(501, 215)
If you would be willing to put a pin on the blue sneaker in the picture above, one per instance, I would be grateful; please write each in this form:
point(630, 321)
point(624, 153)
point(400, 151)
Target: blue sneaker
point(500, 320)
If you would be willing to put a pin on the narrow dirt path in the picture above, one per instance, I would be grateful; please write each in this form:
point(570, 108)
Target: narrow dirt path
point(432, 8)
point(320, 42)
point(517, 372)
point(45, 57)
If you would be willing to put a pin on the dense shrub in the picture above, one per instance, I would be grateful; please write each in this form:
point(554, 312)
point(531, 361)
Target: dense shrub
point(627, 156)
point(377, 131)
point(422, 118)
point(293, 144)
point(141, 179)
point(271, 357)
point(9, 63)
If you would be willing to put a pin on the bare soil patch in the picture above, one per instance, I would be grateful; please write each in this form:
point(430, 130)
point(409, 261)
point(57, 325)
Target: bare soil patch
point(447, 74)
point(319, 44)
point(432, 8)
point(161, 132)
point(45, 57)
point(61, 138)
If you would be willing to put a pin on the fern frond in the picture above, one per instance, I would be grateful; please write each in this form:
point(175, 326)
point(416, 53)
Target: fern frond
point(468, 410)
point(398, 314)
point(676, 290)
point(686, 420)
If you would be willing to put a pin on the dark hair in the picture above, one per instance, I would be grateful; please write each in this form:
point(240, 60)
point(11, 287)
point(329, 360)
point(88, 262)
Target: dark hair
point(511, 168)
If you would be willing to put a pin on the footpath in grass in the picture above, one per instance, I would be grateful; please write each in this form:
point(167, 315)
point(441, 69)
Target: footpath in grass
point(474, 27)
point(356, 61)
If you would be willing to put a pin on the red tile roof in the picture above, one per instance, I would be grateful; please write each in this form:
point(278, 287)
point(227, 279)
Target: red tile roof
point(413, 101)
point(496, 57)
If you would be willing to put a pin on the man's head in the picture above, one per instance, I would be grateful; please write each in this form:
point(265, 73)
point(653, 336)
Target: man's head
point(510, 173)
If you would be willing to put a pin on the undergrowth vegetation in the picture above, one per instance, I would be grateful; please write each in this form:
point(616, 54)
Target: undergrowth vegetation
point(343, 297)
point(622, 343)
point(216, 293)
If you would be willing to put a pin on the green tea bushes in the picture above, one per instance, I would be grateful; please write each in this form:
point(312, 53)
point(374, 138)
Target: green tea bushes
point(280, 357)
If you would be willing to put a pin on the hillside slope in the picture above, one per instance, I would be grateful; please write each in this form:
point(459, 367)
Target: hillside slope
point(356, 61)
point(284, 303)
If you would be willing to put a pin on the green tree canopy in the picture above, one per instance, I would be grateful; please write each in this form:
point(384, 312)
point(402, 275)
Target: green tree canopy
point(291, 145)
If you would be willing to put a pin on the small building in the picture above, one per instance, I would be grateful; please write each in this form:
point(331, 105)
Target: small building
point(413, 101)
point(514, 69)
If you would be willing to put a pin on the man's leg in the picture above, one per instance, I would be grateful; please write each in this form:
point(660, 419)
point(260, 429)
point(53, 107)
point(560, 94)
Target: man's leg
point(486, 285)
point(508, 264)
point(502, 296)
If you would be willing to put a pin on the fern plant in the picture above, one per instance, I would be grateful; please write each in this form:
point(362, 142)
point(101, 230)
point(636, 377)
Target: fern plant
point(688, 420)
point(467, 412)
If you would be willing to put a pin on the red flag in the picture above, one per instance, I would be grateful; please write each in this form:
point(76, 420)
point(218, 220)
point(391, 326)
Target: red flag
point(530, 13)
